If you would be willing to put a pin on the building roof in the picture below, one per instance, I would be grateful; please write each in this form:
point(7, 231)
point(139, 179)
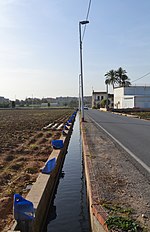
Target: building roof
point(99, 92)
point(133, 86)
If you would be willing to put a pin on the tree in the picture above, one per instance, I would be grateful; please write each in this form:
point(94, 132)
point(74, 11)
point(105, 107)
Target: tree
point(122, 78)
point(104, 102)
point(111, 78)
point(117, 78)
point(13, 104)
point(73, 103)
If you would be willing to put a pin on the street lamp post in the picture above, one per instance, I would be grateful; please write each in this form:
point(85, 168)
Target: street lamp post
point(82, 100)
point(107, 96)
point(79, 92)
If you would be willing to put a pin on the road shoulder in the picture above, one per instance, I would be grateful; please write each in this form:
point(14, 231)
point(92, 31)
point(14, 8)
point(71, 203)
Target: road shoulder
point(112, 180)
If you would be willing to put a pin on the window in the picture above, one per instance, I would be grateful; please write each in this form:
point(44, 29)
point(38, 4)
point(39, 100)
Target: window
point(102, 97)
point(98, 98)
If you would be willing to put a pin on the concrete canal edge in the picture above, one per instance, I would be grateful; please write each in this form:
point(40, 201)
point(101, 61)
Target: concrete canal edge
point(98, 215)
point(42, 191)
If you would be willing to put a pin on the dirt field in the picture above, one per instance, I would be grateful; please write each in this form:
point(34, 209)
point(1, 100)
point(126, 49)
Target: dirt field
point(24, 148)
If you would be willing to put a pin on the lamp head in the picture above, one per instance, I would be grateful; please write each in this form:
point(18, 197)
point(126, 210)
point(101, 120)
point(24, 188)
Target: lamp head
point(84, 22)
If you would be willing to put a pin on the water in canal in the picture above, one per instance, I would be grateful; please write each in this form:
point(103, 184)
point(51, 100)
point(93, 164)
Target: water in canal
point(69, 211)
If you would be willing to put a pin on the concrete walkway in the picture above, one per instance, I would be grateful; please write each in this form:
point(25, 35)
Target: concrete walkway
point(112, 180)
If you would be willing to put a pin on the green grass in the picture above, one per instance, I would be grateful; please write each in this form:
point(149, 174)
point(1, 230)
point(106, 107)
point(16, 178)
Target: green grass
point(120, 218)
point(143, 115)
point(123, 223)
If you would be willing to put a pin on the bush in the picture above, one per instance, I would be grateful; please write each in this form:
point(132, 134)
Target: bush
point(104, 102)
point(94, 107)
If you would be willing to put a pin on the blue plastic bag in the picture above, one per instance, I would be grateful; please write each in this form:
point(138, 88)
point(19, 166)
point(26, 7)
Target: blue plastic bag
point(23, 209)
point(57, 144)
point(49, 166)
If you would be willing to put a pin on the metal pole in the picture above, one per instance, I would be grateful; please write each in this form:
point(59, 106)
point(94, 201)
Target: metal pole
point(107, 97)
point(79, 94)
point(32, 101)
point(82, 101)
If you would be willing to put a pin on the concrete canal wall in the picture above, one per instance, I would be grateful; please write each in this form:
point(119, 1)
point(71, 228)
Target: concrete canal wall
point(41, 193)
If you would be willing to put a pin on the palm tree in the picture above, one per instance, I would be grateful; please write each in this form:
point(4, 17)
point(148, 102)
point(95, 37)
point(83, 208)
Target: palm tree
point(122, 78)
point(111, 78)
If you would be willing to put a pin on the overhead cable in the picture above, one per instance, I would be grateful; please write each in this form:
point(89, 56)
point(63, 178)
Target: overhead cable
point(87, 16)
point(141, 77)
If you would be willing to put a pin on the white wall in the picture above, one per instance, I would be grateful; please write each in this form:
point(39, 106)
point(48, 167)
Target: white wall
point(131, 97)
point(101, 96)
point(118, 97)
point(95, 96)
point(128, 102)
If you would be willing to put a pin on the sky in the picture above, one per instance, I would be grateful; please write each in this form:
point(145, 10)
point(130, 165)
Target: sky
point(39, 45)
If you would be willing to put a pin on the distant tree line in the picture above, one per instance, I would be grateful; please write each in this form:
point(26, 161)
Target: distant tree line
point(36, 102)
point(45, 102)
point(4, 105)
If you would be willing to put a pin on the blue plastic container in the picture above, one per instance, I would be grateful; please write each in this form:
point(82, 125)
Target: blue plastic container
point(64, 133)
point(71, 119)
point(66, 128)
point(67, 123)
point(57, 144)
point(49, 166)
point(23, 209)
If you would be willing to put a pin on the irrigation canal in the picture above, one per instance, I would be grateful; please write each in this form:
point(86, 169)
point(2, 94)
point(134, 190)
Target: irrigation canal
point(69, 210)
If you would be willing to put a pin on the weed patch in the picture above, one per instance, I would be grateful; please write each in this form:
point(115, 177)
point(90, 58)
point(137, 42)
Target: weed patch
point(119, 222)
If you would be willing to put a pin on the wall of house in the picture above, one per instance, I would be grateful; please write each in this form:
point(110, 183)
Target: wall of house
point(137, 90)
point(132, 97)
point(111, 102)
point(97, 98)
point(118, 97)
point(142, 102)
point(128, 102)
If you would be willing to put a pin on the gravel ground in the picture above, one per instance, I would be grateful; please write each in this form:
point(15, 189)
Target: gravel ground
point(120, 185)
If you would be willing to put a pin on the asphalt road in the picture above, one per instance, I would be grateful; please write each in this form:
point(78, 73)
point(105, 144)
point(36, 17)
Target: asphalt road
point(132, 134)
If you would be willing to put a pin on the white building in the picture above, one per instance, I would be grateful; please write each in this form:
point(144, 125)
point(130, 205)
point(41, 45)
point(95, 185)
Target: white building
point(97, 97)
point(132, 97)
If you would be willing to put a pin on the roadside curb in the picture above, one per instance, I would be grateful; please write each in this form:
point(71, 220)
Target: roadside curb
point(118, 113)
point(98, 215)
point(127, 115)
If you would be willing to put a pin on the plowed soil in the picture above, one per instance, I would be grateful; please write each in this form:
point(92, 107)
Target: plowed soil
point(24, 148)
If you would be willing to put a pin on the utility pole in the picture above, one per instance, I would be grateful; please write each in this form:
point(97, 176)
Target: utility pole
point(79, 92)
point(82, 98)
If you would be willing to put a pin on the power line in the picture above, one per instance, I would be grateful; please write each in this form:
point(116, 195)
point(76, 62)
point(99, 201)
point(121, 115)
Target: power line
point(87, 16)
point(141, 77)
